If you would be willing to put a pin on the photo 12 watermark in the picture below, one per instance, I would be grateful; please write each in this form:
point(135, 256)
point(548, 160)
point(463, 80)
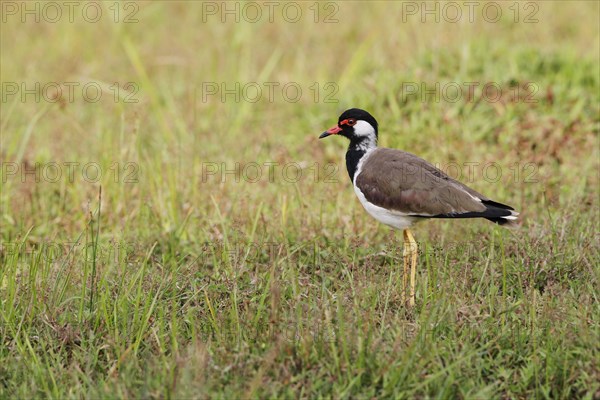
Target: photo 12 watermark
point(52, 12)
point(69, 172)
point(270, 11)
point(470, 11)
point(73, 251)
point(270, 92)
point(476, 171)
point(268, 172)
point(468, 92)
point(69, 92)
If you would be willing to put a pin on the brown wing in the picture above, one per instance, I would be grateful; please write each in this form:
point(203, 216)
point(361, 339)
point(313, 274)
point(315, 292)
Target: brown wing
point(401, 181)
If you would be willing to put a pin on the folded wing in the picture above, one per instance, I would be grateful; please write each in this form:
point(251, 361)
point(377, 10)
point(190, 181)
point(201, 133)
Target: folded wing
point(401, 181)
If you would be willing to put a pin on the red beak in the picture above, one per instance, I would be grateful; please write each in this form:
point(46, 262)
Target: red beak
point(331, 131)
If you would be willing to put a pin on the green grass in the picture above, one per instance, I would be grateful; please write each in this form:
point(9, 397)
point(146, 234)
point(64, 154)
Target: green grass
point(174, 283)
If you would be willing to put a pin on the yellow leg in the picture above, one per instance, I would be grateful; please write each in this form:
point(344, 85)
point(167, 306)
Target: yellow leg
point(410, 255)
point(406, 257)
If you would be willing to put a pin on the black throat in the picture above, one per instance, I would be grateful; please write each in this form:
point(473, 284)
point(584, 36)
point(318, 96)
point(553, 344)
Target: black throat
point(355, 152)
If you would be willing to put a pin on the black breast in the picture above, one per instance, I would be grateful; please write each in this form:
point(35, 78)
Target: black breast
point(353, 156)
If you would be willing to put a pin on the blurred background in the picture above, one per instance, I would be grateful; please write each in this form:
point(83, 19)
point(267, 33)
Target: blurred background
point(199, 122)
point(155, 90)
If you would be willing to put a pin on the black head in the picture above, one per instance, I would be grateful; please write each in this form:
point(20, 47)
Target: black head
point(356, 125)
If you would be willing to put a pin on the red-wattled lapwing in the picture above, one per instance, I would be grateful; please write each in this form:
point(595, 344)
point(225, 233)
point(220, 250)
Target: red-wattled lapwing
point(399, 189)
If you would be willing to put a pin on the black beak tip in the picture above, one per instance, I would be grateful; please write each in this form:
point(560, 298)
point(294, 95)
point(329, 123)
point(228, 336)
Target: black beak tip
point(324, 135)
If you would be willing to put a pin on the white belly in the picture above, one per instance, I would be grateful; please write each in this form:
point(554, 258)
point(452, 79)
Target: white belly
point(395, 219)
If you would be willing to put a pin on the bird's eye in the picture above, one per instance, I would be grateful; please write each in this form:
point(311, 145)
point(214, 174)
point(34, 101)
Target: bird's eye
point(351, 122)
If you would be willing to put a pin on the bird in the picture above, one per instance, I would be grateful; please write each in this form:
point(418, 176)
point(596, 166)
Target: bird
point(399, 189)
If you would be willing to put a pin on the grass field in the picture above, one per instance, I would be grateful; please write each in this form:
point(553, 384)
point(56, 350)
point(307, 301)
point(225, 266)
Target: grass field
point(183, 237)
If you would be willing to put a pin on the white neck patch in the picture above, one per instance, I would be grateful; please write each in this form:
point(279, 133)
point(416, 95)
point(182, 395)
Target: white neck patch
point(365, 130)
